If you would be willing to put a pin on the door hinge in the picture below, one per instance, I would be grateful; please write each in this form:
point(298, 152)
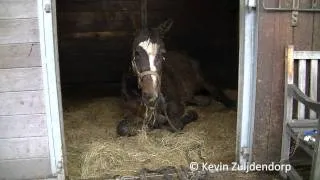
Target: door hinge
point(294, 18)
point(47, 8)
point(244, 152)
point(295, 13)
point(59, 167)
point(251, 3)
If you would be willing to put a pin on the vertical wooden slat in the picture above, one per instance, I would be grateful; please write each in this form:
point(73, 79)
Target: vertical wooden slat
point(316, 39)
point(302, 86)
point(283, 37)
point(289, 80)
point(264, 81)
point(313, 84)
point(315, 170)
point(276, 34)
point(288, 104)
point(302, 37)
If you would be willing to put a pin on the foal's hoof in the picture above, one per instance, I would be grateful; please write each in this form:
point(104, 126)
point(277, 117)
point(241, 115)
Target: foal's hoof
point(190, 116)
point(200, 101)
point(124, 128)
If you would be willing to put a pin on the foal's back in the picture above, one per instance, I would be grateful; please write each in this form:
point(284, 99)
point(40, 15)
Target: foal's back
point(184, 74)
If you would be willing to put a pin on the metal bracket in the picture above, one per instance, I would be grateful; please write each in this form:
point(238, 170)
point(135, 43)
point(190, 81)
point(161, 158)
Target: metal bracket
point(251, 3)
point(295, 13)
point(244, 152)
point(59, 167)
point(47, 8)
point(294, 18)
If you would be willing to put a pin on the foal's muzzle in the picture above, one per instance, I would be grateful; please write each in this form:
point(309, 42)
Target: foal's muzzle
point(150, 88)
point(149, 98)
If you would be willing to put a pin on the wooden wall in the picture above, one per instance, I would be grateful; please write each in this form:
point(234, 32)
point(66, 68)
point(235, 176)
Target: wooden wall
point(275, 33)
point(24, 151)
point(95, 40)
point(95, 37)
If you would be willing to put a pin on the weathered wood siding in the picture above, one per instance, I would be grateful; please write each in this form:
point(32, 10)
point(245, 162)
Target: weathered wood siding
point(95, 37)
point(275, 33)
point(24, 150)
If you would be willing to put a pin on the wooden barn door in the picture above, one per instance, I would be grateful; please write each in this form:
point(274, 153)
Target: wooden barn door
point(280, 23)
point(49, 57)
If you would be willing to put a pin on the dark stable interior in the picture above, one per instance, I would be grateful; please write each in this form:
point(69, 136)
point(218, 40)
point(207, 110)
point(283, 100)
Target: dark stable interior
point(95, 39)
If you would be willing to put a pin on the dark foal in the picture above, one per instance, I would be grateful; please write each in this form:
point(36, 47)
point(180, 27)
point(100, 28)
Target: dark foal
point(159, 85)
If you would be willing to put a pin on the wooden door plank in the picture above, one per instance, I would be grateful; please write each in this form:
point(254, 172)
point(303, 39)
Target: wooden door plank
point(304, 29)
point(10, 9)
point(264, 84)
point(18, 126)
point(22, 103)
point(24, 148)
point(21, 79)
point(282, 38)
point(20, 55)
point(19, 31)
point(37, 168)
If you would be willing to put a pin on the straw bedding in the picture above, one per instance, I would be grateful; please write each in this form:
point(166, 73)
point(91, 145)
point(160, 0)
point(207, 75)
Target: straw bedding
point(94, 150)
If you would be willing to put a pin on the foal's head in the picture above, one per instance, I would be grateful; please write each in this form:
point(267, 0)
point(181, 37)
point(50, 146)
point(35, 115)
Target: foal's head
point(148, 56)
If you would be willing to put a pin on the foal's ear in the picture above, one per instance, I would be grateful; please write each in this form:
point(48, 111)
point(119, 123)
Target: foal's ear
point(165, 27)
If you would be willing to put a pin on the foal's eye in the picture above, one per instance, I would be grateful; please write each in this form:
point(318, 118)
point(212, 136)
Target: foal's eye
point(158, 61)
point(136, 53)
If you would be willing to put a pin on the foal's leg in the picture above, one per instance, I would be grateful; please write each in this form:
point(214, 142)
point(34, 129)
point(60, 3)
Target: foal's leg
point(129, 127)
point(198, 100)
point(189, 116)
point(215, 92)
point(179, 117)
point(219, 95)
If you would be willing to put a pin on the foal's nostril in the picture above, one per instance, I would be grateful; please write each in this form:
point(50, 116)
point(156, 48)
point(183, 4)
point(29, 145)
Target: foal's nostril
point(149, 97)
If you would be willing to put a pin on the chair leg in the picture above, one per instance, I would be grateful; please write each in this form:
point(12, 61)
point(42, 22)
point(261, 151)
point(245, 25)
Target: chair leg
point(285, 150)
point(315, 169)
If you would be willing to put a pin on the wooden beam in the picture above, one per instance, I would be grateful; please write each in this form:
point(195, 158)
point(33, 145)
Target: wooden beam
point(306, 55)
point(306, 123)
point(97, 35)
